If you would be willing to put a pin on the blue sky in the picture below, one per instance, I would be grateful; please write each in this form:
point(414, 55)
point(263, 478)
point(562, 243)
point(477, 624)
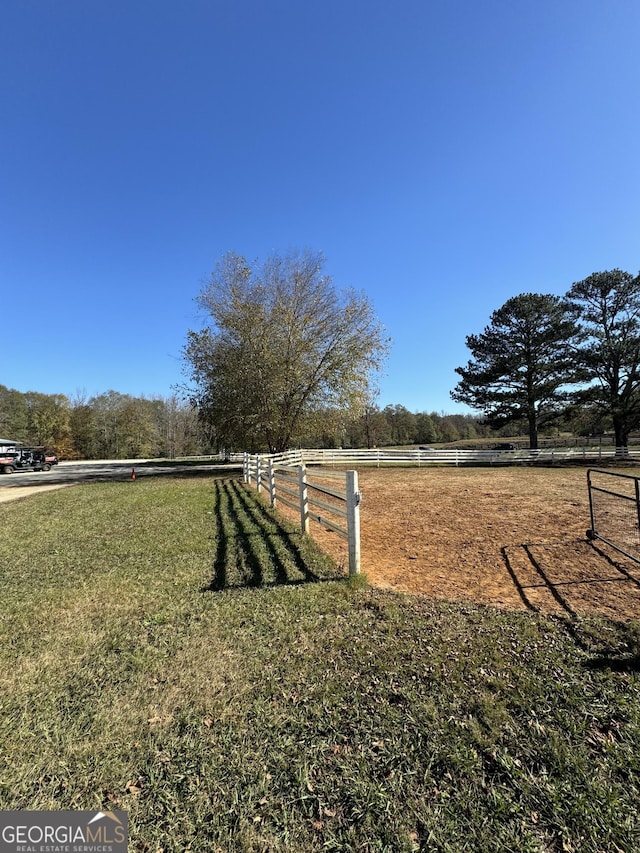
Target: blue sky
point(445, 155)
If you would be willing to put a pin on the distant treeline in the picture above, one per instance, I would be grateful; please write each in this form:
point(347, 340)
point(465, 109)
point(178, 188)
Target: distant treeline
point(119, 426)
point(107, 426)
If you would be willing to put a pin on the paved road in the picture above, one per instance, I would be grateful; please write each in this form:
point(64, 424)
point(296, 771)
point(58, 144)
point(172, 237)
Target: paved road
point(71, 473)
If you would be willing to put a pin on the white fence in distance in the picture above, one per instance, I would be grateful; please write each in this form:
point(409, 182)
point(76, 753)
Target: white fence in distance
point(440, 456)
point(317, 497)
point(448, 456)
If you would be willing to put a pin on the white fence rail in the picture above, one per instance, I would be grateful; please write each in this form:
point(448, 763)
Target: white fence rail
point(386, 456)
point(320, 497)
point(211, 457)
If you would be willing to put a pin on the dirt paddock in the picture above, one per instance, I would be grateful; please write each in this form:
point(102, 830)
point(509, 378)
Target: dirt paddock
point(510, 537)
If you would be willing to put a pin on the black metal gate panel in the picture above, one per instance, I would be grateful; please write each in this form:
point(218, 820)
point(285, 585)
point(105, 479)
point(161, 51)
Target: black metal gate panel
point(614, 505)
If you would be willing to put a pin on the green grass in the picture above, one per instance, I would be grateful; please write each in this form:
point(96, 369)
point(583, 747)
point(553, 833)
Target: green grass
point(168, 647)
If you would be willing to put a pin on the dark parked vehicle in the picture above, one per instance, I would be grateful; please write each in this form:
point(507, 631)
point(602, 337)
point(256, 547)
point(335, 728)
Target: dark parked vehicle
point(504, 446)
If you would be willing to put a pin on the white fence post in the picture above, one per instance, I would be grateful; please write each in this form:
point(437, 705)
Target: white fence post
point(245, 468)
point(304, 498)
point(258, 475)
point(353, 522)
point(272, 483)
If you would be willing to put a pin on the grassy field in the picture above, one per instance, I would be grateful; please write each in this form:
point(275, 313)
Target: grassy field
point(169, 648)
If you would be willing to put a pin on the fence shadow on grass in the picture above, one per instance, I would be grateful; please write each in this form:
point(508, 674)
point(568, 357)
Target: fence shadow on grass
point(253, 548)
point(529, 577)
point(553, 582)
point(614, 647)
point(615, 663)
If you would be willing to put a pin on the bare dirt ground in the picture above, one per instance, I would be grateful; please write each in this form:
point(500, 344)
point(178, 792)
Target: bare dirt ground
point(514, 538)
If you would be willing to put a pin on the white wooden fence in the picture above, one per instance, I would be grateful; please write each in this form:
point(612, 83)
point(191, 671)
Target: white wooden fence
point(387, 456)
point(317, 497)
point(446, 456)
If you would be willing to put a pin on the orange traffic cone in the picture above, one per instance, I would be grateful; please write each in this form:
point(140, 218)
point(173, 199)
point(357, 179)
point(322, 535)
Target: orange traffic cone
point(133, 473)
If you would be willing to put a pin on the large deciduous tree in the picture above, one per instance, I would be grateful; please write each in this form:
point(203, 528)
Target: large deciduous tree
point(283, 344)
point(609, 309)
point(522, 363)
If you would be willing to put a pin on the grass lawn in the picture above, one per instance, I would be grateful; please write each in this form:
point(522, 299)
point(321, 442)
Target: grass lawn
point(169, 648)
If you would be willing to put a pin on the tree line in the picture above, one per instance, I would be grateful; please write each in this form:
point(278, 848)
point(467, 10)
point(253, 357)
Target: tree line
point(119, 426)
point(106, 426)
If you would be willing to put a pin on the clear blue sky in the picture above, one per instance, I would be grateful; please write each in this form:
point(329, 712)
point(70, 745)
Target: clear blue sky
point(445, 155)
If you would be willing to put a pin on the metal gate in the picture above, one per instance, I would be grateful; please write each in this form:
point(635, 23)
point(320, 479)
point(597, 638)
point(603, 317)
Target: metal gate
point(614, 505)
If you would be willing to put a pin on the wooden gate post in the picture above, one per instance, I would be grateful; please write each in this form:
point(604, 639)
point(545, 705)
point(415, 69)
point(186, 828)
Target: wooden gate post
point(353, 522)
